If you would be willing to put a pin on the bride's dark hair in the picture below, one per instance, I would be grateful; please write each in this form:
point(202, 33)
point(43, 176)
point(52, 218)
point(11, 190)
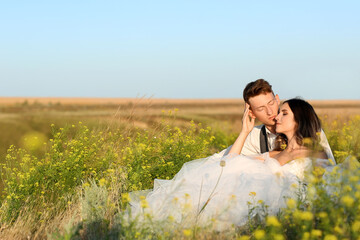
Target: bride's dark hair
point(308, 125)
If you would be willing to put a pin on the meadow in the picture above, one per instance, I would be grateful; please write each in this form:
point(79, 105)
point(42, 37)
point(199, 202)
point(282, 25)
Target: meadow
point(67, 166)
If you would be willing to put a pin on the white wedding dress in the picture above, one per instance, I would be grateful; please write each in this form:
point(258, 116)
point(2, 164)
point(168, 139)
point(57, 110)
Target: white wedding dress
point(204, 191)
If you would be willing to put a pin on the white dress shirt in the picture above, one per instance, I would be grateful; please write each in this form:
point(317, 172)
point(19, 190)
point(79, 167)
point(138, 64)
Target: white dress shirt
point(252, 143)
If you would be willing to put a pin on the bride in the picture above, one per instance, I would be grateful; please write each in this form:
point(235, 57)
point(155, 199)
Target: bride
point(222, 188)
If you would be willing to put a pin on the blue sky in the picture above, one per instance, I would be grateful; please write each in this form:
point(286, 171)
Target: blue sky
point(179, 49)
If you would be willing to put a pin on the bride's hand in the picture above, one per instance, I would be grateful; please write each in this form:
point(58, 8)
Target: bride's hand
point(248, 121)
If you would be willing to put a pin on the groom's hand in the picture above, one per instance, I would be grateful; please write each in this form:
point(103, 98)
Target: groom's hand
point(248, 121)
point(251, 113)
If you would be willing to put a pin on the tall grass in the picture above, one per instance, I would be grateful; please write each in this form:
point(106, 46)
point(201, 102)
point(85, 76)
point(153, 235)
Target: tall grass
point(344, 137)
point(75, 155)
point(75, 185)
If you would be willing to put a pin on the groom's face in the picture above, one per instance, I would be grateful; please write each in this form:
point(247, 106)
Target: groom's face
point(265, 108)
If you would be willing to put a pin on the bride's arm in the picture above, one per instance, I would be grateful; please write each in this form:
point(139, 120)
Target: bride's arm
point(321, 155)
point(272, 154)
point(248, 123)
point(284, 157)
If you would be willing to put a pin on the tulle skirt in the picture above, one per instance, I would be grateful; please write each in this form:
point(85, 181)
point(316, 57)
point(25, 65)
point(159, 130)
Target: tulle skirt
point(222, 189)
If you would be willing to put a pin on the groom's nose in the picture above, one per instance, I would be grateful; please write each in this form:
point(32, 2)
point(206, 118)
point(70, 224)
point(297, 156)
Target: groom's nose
point(269, 110)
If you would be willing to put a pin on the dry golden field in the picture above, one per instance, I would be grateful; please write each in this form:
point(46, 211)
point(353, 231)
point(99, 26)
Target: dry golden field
point(21, 115)
point(150, 106)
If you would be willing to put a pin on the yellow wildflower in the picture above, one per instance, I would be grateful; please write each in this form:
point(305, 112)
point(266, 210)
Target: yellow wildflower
point(347, 201)
point(291, 203)
point(252, 194)
point(357, 194)
point(125, 197)
point(144, 203)
point(356, 227)
point(347, 188)
point(316, 233)
point(102, 182)
point(187, 206)
point(307, 141)
point(318, 172)
point(307, 216)
point(338, 230)
point(278, 237)
point(272, 221)
point(354, 178)
point(331, 162)
point(187, 232)
point(171, 218)
point(306, 236)
point(323, 214)
point(244, 237)
point(259, 234)
point(330, 237)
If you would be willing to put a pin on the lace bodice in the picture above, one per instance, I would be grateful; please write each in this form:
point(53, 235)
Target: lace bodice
point(296, 167)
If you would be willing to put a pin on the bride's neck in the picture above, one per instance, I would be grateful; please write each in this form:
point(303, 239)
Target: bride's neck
point(292, 143)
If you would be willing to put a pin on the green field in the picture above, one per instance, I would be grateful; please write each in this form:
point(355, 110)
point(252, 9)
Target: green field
point(68, 164)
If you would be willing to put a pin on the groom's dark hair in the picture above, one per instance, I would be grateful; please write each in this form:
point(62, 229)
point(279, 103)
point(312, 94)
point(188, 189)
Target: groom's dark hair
point(256, 88)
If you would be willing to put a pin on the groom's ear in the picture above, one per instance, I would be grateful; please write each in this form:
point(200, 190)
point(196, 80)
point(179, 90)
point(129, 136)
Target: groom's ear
point(277, 99)
point(252, 115)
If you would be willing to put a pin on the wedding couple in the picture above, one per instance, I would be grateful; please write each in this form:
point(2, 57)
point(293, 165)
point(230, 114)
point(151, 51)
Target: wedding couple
point(265, 165)
point(262, 104)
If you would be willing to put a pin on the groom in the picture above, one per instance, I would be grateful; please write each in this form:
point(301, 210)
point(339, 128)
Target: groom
point(264, 106)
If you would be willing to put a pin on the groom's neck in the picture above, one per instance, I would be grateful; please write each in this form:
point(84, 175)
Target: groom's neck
point(271, 128)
